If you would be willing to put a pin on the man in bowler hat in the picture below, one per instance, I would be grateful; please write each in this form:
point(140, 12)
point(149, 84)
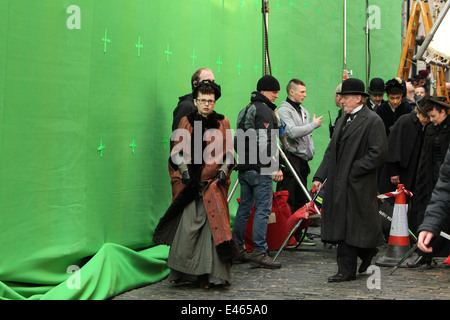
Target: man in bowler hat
point(376, 93)
point(350, 210)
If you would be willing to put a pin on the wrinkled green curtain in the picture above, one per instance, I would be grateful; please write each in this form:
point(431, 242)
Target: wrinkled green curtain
point(87, 90)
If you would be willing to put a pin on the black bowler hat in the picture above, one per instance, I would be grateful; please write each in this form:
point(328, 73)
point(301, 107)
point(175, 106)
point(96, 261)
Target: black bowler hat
point(353, 86)
point(376, 86)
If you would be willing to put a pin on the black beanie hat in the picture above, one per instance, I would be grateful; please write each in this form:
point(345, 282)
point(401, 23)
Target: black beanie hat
point(268, 83)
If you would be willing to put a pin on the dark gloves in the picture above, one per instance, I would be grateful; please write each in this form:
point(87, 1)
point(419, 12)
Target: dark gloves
point(221, 177)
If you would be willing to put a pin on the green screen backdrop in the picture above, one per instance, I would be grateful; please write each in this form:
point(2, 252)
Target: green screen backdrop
point(87, 90)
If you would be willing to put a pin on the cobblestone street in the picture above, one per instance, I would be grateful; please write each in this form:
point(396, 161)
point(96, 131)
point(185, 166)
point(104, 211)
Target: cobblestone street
point(303, 276)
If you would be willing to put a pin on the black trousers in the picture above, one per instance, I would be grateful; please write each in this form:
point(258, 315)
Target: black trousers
point(297, 197)
point(347, 257)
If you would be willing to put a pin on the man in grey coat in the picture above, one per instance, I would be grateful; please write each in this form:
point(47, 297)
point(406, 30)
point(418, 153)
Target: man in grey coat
point(299, 128)
point(350, 211)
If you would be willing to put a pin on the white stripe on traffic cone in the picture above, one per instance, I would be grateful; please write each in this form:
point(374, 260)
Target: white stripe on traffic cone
point(398, 244)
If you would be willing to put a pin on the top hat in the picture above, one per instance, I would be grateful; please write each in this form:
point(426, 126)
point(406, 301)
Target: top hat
point(215, 86)
point(353, 86)
point(268, 83)
point(376, 86)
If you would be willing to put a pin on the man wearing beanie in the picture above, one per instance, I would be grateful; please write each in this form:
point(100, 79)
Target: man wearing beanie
point(256, 146)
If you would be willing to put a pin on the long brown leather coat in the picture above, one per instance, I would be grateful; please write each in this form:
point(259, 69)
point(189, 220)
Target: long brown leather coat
point(203, 180)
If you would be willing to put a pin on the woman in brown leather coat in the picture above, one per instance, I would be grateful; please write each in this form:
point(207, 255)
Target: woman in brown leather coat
point(197, 224)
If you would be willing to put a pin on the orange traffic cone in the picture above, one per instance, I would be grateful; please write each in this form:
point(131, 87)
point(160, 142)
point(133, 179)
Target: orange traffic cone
point(398, 244)
point(447, 261)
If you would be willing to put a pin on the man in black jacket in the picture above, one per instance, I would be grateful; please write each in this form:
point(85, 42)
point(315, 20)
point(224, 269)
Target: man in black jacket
point(256, 147)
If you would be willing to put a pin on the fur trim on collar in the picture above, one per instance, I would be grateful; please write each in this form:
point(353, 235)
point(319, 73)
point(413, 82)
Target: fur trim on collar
point(210, 122)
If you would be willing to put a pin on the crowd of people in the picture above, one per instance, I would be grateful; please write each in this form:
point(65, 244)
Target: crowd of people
point(375, 145)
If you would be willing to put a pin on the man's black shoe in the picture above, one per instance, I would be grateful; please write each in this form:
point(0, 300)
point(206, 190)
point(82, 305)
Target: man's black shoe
point(339, 277)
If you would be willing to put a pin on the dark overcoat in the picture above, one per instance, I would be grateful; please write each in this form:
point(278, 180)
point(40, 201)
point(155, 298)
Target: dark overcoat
point(438, 210)
point(350, 209)
point(437, 138)
point(404, 147)
point(389, 117)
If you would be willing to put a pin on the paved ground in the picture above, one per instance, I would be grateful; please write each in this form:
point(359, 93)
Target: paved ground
point(304, 275)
